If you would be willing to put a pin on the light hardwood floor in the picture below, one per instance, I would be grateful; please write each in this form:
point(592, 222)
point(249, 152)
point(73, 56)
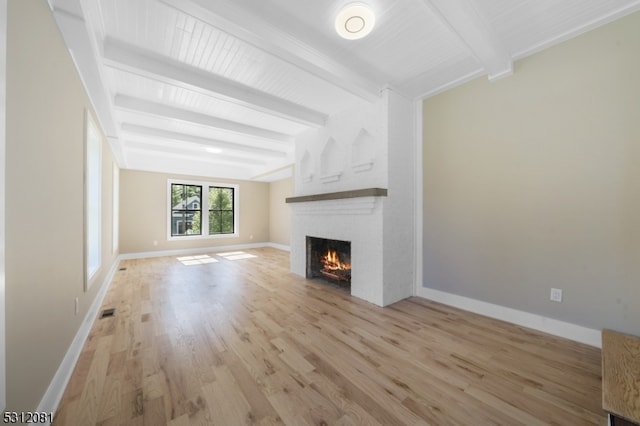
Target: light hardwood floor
point(241, 340)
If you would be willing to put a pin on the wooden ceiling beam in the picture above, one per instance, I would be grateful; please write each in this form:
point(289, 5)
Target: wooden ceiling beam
point(131, 59)
point(129, 103)
point(207, 142)
point(464, 20)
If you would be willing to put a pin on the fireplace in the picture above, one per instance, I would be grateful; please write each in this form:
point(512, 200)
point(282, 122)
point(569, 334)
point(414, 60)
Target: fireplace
point(379, 255)
point(329, 260)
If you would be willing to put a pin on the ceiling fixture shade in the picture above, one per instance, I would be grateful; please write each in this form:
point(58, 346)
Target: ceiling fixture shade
point(355, 21)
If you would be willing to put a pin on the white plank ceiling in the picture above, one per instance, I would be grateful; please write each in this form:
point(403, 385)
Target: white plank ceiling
point(221, 88)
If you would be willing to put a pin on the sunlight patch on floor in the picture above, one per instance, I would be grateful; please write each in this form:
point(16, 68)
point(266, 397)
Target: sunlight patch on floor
point(200, 259)
point(236, 255)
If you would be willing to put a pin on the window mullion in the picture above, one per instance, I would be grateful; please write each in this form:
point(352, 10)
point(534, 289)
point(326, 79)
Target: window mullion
point(204, 205)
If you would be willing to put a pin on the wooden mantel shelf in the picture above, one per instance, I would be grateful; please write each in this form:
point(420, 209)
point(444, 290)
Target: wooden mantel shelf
point(367, 192)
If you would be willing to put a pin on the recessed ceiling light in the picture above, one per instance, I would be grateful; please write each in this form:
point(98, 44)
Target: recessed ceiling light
point(213, 150)
point(355, 21)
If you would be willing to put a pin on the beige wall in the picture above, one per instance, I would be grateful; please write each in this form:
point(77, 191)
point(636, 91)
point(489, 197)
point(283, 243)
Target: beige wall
point(143, 213)
point(280, 212)
point(533, 182)
point(46, 103)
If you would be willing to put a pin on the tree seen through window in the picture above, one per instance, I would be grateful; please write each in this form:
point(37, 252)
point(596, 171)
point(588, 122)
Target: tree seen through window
point(221, 219)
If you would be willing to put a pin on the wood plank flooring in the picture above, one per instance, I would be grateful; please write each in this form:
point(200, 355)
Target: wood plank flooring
point(236, 339)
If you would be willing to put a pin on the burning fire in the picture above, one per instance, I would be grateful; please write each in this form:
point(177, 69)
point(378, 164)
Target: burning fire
point(331, 262)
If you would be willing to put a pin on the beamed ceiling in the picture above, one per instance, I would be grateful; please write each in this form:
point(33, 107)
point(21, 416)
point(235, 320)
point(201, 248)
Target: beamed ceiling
point(221, 88)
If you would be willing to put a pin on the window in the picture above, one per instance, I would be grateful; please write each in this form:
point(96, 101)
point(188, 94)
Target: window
point(93, 198)
point(116, 207)
point(202, 210)
point(220, 210)
point(185, 209)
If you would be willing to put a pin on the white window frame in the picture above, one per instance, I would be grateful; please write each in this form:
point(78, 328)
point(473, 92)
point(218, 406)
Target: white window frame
point(204, 208)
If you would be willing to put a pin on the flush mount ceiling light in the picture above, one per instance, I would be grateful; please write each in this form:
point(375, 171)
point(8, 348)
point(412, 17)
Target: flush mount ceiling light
point(355, 21)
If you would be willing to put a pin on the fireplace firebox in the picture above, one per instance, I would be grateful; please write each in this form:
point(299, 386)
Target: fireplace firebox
point(330, 260)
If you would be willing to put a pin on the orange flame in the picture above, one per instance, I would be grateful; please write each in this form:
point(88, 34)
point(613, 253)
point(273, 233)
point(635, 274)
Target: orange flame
point(332, 262)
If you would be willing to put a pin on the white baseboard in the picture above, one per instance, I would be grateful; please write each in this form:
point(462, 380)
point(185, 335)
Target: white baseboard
point(537, 322)
point(279, 246)
point(200, 250)
point(186, 252)
point(55, 391)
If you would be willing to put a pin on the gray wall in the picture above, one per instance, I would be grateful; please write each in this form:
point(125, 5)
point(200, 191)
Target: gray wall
point(533, 182)
point(46, 104)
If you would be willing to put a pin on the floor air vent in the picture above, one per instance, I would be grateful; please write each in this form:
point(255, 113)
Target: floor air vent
point(107, 313)
point(122, 269)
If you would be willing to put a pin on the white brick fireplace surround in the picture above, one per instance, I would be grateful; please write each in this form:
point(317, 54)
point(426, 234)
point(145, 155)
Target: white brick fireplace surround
point(355, 182)
point(358, 220)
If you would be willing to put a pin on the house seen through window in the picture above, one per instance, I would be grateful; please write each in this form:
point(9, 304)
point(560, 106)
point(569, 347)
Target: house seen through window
point(202, 209)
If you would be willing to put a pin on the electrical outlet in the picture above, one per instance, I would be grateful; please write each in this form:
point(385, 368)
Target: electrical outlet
point(556, 295)
point(76, 308)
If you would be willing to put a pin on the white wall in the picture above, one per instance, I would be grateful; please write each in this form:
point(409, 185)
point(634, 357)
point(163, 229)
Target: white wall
point(375, 147)
point(399, 206)
point(344, 128)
